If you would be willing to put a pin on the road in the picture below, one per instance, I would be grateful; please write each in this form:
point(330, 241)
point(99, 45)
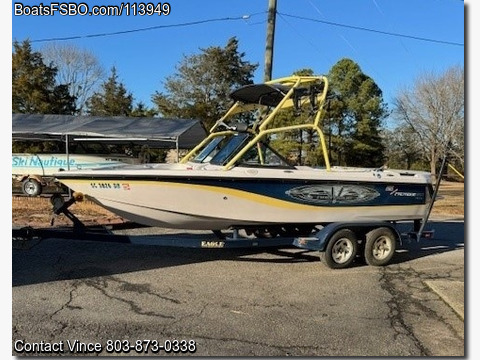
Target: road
point(238, 302)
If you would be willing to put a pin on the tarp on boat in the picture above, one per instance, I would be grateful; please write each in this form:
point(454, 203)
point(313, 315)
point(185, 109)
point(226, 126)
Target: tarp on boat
point(154, 132)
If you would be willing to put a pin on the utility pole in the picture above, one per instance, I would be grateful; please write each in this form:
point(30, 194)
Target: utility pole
point(272, 14)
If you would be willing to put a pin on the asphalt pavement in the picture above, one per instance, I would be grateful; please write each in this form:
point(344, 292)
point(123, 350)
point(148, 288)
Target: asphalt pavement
point(450, 291)
point(81, 297)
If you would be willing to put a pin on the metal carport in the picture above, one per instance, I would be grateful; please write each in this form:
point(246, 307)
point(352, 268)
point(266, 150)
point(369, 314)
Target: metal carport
point(155, 132)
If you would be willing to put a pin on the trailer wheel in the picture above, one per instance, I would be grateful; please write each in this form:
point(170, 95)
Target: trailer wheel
point(380, 246)
point(341, 250)
point(31, 187)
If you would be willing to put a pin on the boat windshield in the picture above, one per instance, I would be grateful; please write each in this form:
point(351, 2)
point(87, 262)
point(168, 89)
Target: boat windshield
point(228, 151)
point(220, 150)
point(209, 151)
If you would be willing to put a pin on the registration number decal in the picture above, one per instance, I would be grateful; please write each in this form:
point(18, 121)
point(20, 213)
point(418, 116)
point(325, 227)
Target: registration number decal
point(110, 185)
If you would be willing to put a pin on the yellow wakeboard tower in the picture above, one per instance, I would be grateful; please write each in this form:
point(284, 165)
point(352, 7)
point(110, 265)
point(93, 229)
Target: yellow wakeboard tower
point(256, 107)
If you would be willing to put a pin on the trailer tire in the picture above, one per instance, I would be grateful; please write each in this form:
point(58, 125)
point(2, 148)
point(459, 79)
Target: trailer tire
point(31, 187)
point(341, 249)
point(380, 246)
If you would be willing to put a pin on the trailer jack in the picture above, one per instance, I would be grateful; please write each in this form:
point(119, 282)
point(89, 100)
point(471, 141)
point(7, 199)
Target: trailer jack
point(60, 206)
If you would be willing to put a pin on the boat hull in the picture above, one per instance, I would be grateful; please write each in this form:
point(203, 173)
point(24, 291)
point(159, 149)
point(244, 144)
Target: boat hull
point(220, 202)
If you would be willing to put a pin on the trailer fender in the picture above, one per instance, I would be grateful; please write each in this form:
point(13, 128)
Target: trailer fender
point(38, 178)
point(319, 240)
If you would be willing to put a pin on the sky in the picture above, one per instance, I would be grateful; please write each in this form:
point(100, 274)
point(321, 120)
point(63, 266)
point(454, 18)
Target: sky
point(394, 42)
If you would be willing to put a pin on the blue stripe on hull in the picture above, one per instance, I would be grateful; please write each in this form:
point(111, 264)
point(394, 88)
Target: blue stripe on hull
point(327, 193)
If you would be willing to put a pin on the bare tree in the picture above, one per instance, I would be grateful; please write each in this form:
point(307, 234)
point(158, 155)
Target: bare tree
point(434, 110)
point(78, 68)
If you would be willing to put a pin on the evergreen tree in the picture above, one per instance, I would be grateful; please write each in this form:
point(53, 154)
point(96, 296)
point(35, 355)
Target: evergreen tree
point(298, 145)
point(112, 100)
point(201, 86)
point(141, 110)
point(33, 84)
point(354, 119)
point(351, 123)
point(402, 149)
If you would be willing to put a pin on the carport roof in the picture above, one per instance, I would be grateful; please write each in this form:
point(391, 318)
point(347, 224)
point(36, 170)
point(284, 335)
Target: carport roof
point(154, 132)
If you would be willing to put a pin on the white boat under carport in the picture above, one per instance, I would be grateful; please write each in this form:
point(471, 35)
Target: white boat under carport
point(157, 133)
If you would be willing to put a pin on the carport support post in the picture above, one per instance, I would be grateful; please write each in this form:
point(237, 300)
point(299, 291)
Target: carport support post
point(67, 152)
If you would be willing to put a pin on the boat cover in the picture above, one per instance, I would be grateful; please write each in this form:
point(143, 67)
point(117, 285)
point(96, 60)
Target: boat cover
point(155, 132)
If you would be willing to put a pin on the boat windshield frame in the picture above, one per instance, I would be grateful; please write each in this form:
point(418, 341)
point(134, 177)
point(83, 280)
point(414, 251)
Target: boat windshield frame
point(222, 149)
point(268, 157)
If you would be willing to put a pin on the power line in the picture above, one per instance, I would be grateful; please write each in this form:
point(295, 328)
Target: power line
point(243, 17)
point(199, 22)
point(372, 30)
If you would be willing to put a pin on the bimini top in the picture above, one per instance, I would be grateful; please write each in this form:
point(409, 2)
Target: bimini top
point(155, 132)
point(262, 94)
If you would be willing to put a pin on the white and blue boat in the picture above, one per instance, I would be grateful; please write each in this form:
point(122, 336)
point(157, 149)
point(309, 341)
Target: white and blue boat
point(235, 179)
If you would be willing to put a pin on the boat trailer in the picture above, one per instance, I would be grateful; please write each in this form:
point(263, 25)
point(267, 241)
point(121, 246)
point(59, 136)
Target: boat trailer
point(339, 244)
